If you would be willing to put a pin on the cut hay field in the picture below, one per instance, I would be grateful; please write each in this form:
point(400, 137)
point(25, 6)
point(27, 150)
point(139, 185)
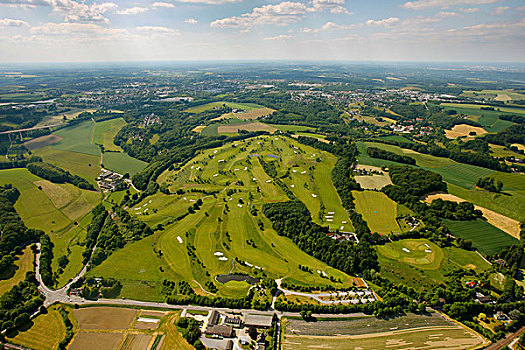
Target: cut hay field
point(421, 264)
point(255, 126)
point(374, 181)
point(431, 331)
point(209, 106)
point(378, 210)
point(43, 208)
point(23, 264)
point(225, 227)
point(463, 131)
point(504, 223)
point(105, 132)
point(486, 238)
point(248, 115)
point(45, 333)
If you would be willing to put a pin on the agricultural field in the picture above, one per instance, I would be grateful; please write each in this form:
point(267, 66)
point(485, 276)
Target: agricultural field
point(459, 174)
point(122, 163)
point(255, 126)
point(506, 96)
point(419, 262)
point(373, 181)
point(23, 264)
point(429, 331)
point(225, 227)
point(488, 119)
point(378, 210)
point(208, 106)
point(247, 115)
point(486, 238)
point(44, 333)
point(105, 132)
point(77, 138)
point(464, 131)
point(504, 223)
point(122, 328)
point(59, 119)
point(47, 206)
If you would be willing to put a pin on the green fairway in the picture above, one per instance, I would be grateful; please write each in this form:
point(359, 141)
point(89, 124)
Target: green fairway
point(105, 132)
point(378, 210)
point(209, 106)
point(485, 237)
point(122, 163)
point(225, 228)
point(421, 264)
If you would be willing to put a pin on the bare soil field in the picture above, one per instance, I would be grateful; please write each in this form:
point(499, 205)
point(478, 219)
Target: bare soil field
point(256, 126)
point(41, 142)
point(504, 223)
point(98, 341)
point(461, 130)
point(104, 317)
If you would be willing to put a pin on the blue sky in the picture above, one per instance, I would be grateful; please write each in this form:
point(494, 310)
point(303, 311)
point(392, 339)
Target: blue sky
point(347, 30)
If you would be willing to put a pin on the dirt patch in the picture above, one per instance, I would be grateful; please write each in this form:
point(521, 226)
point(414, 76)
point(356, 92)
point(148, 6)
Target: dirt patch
point(41, 142)
point(236, 277)
point(104, 317)
point(504, 223)
point(99, 341)
point(461, 130)
point(257, 126)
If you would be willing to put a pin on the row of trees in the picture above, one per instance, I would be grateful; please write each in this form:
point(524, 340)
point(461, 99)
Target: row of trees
point(57, 175)
point(375, 152)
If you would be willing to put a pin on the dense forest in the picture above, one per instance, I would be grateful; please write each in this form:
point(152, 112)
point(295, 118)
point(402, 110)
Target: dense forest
point(375, 152)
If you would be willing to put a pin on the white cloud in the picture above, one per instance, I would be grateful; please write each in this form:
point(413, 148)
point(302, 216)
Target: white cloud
point(209, 2)
point(278, 37)
point(78, 29)
point(423, 4)
point(161, 4)
point(9, 22)
point(447, 14)
point(334, 6)
point(191, 21)
point(132, 11)
point(280, 14)
point(469, 9)
point(24, 3)
point(387, 22)
point(74, 11)
point(156, 29)
point(500, 10)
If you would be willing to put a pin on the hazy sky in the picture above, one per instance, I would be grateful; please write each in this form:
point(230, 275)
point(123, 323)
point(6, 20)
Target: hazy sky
point(115, 30)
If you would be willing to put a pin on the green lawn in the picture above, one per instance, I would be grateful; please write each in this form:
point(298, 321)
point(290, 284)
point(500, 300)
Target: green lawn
point(122, 163)
point(485, 237)
point(378, 211)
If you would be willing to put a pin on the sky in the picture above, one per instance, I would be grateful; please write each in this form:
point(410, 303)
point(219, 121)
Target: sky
point(333, 30)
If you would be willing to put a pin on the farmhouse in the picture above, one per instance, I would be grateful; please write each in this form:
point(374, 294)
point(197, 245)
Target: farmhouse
point(214, 318)
point(258, 321)
point(220, 330)
point(232, 321)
